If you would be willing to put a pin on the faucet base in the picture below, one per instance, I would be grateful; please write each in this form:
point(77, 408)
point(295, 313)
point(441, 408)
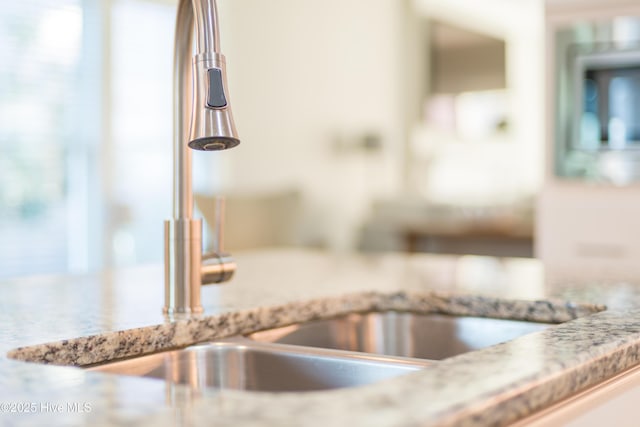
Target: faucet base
point(182, 261)
point(186, 270)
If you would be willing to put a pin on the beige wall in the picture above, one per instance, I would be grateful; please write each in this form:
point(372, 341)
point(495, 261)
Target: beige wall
point(302, 75)
point(308, 75)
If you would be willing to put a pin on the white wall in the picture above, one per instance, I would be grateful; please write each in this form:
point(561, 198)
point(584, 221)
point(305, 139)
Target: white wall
point(521, 25)
point(301, 74)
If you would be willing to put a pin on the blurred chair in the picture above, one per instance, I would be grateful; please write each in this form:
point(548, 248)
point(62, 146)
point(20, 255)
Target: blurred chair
point(257, 220)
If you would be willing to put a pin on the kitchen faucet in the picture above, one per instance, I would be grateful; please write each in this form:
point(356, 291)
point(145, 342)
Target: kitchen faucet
point(202, 120)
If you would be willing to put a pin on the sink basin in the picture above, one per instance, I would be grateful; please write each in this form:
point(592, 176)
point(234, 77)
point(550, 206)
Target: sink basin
point(347, 351)
point(425, 336)
point(241, 364)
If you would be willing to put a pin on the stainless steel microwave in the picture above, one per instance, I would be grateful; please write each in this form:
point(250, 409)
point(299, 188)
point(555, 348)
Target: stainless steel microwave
point(608, 91)
point(597, 101)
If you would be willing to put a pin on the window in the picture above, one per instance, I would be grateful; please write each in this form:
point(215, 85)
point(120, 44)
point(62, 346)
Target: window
point(40, 62)
point(85, 134)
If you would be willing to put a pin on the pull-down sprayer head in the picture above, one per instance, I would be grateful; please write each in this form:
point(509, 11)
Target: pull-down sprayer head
point(212, 127)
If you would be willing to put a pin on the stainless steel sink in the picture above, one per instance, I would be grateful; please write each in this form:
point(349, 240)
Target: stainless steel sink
point(425, 336)
point(348, 351)
point(241, 364)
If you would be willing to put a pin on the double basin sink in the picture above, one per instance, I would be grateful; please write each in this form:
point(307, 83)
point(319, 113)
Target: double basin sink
point(347, 351)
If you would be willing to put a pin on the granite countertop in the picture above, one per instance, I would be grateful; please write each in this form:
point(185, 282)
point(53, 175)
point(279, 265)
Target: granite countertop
point(90, 319)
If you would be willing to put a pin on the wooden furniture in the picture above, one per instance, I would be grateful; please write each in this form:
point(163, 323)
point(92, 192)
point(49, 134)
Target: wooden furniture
point(492, 241)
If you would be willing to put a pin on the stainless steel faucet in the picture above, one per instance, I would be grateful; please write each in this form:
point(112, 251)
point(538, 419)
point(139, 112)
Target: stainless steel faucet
point(202, 120)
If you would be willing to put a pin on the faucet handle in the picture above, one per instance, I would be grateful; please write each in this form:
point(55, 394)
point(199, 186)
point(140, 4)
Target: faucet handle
point(217, 266)
point(218, 225)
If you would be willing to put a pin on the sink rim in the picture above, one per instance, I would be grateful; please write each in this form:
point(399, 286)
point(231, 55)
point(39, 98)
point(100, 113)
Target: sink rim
point(91, 349)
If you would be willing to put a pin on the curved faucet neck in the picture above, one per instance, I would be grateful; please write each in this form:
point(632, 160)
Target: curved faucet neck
point(197, 17)
point(185, 267)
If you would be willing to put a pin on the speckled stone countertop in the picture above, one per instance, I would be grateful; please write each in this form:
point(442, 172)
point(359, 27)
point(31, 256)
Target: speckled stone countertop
point(84, 320)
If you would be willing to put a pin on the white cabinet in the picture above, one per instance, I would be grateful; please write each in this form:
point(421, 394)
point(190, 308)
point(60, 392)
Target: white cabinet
point(589, 209)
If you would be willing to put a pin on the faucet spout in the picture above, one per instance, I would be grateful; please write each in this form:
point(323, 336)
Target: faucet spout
point(202, 120)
